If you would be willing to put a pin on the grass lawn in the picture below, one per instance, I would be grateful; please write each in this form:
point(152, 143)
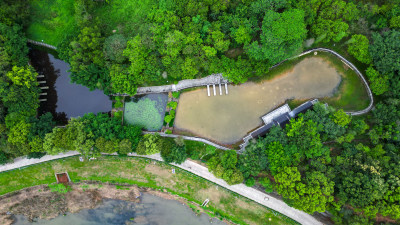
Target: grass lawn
point(351, 94)
point(125, 16)
point(51, 20)
point(144, 173)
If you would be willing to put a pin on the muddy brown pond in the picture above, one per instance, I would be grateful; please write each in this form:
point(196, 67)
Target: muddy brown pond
point(228, 118)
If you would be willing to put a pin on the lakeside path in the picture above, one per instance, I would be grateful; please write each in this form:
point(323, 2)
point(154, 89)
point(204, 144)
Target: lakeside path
point(199, 170)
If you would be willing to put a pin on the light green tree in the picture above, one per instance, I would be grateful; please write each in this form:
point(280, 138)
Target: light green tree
point(341, 118)
point(150, 144)
point(19, 133)
point(358, 48)
point(311, 196)
point(379, 84)
point(23, 76)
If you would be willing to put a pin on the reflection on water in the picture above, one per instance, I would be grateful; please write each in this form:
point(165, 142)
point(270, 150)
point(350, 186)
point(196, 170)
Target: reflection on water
point(65, 99)
point(228, 118)
point(151, 210)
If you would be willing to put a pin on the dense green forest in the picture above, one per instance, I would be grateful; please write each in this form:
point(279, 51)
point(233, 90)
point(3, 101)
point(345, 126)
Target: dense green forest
point(323, 160)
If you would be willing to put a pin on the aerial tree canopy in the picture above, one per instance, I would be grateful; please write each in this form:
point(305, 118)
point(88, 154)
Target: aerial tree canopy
point(282, 36)
point(385, 52)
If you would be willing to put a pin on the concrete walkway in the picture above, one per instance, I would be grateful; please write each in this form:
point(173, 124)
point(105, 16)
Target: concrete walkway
point(200, 171)
point(183, 84)
point(42, 44)
point(23, 161)
point(188, 138)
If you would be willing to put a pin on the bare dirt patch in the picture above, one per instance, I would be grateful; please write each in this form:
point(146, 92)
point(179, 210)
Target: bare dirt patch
point(212, 194)
point(157, 170)
point(40, 202)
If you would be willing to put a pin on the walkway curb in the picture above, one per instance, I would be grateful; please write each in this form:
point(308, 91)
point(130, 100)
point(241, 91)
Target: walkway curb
point(188, 138)
point(354, 68)
point(199, 170)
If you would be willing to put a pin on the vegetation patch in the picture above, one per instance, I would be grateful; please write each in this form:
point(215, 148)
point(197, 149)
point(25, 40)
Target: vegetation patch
point(351, 94)
point(51, 20)
point(118, 170)
point(147, 112)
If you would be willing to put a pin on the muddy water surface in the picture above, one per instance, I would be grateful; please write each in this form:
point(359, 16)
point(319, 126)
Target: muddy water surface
point(151, 210)
point(228, 118)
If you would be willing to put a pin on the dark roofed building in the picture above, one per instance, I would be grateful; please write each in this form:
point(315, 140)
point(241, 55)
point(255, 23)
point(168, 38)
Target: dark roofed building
point(301, 109)
point(261, 131)
point(283, 119)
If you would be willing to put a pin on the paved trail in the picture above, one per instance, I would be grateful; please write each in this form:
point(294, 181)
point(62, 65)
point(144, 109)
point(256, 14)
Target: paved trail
point(201, 171)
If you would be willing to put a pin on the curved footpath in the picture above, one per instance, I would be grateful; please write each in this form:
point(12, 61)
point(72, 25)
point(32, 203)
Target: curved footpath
point(198, 139)
point(199, 170)
point(42, 44)
point(354, 68)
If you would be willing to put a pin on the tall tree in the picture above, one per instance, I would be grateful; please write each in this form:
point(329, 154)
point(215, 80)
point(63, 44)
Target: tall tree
point(87, 60)
point(385, 52)
point(358, 48)
point(282, 36)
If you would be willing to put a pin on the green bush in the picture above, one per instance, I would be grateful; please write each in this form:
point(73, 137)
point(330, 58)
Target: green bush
point(114, 46)
point(266, 183)
point(118, 103)
point(172, 113)
point(168, 131)
point(224, 166)
point(33, 155)
point(172, 105)
point(168, 119)
point(150, 144)
point(60, 188)
point(172, 153)
point(250, 182)
point(176, 94)
point(118, 114)
point(3, 158)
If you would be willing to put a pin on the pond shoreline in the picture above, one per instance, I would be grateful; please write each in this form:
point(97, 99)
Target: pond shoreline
point(226, 119)
point(39, 202)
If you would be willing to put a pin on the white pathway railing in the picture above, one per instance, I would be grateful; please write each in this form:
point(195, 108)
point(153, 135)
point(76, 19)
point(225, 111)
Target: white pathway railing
point(354, 68)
